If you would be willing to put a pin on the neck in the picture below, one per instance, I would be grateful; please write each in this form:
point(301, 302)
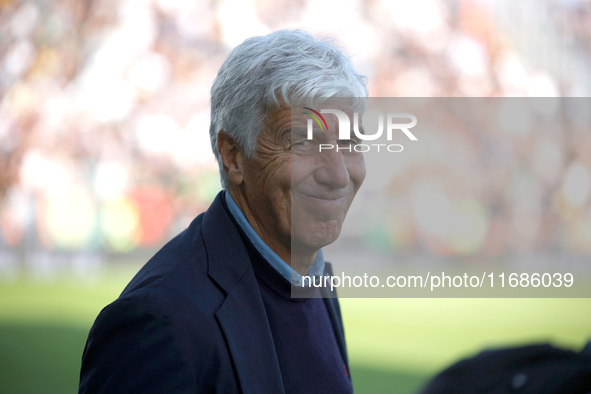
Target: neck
point(299, 260)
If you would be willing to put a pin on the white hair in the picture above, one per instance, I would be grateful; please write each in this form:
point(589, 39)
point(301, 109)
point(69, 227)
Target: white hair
point(287, 67)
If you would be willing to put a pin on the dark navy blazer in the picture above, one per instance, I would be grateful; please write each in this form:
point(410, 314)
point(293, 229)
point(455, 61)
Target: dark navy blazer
point(191, 321)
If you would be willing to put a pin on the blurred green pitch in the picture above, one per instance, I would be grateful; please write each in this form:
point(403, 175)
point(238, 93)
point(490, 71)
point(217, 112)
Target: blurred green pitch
point(394, 344)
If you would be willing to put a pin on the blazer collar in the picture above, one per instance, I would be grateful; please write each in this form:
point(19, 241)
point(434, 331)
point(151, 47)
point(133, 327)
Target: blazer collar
point(226, 253)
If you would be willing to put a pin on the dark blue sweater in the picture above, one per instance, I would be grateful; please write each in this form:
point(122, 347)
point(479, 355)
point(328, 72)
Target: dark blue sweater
point(307, 350)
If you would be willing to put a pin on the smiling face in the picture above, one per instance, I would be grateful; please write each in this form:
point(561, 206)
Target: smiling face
point(295, 197)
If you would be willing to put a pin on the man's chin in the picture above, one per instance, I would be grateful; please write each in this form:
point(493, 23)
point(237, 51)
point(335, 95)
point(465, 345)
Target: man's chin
point(317, 236)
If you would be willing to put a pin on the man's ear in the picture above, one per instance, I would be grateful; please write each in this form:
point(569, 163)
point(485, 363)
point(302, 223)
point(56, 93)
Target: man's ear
point(232, 157)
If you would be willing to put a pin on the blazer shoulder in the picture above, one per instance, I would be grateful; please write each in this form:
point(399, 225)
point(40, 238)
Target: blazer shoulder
point(178, 254)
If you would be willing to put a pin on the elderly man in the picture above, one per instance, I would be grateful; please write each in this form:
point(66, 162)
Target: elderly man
point(212, 311)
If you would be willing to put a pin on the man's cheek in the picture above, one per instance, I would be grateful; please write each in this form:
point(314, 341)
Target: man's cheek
point(357, 173)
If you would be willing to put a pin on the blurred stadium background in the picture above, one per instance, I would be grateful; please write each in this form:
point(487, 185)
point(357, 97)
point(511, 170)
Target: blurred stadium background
point(105, 156)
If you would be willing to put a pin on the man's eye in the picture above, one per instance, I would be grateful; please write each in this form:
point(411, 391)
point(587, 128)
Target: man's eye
point(301, 143)
point(347, 142)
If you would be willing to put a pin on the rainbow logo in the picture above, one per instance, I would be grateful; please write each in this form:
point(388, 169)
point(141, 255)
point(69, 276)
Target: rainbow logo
point(316, 118)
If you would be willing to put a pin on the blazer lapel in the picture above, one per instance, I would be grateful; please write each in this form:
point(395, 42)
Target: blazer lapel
point(250, 341)
point(242, 315)
point(334, 311)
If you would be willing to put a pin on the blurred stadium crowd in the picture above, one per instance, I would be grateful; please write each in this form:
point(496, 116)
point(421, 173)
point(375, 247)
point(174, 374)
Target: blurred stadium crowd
point(104, 114)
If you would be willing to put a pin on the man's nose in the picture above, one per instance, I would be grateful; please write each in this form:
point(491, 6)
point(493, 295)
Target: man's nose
point(333, 170)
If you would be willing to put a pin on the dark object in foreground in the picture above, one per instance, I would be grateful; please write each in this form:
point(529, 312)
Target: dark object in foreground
point(528, 369)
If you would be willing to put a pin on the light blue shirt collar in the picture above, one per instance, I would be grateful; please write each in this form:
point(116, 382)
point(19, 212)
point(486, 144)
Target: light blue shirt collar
point(316, 269)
